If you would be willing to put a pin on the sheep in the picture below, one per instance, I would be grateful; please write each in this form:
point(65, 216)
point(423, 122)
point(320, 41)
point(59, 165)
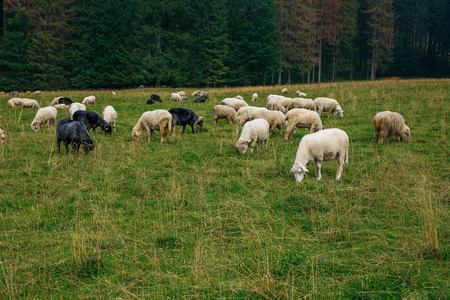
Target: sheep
point(158, 119)
point(176, 97)
point(300, 94)
point(109, 114)
point(182, 93)
point(37, 93)
point(234, 103)
point(74, 133)
point(44, 115)
point(14, 93)
point(195, 93)
point(224, 112)
point(153, 99)
point(3, 136)
point(113, 93)
point(28, 93)
point(303, 103)
point(56, 100)
point(2, 93)
point(60, 106)
point(254, 97)
point(11, 104)
point(275, 104)
point(26, 103)
point(88, 100)
point(301, 118)
point(329, 105)
point(276, 119)
point(183, 117)
point(387, 123)
point(141, 86)
point(256, 131)
point(66, 101)
point(75, 106)
point(200, 98)
point(321, 146)
point(92, 120)
point(239, 97)
point(285, 101)
point(284, 91)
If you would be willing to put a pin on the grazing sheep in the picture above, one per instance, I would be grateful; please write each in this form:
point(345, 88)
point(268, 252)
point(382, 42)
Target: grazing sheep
point(88, 100)
point(92, 120)
point(301, 118)
point(195, 93)
point(200, 98)
point(2, 93)
point(182, 93)
point(254, 97)
point(11, 104)
point(239, 97)
point(303, 103)
point(109, 114)
point(284, 91)
point(183, 117)
point(141, 86)
point(44, 115)
point(75, 106)
point(234, 103)
point(224, 112)
point(113, 93)
point(321, 146)
point(176, 97)
point(74, 133)
point(66, 101)
point(61, 106)
point(3, 136)
point(329, 105)
point(38, 93)
point(153, 99)
point(256, 131)
point(14, 93)
point(275, 104)
point(28, 93)
point(300, 94)
point(276, 119)
point(56, 100)
point(285, 101)
point(26, 103)
point(387, 123)
point(158, 119)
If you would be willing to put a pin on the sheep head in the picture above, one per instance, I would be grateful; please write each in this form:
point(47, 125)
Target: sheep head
point(406, 133)
point(107, 129)
point(35, 126)
point(242, 146)
point(340, 113)
point(199, 121)
point(136, 134)
point(299, 171)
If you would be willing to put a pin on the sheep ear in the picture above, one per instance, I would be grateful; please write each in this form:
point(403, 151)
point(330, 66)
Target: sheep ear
point(249, 141)
point(304, 169)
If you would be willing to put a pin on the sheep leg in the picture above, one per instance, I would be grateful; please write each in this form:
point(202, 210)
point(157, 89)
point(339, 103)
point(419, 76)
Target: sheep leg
point(66, 144)
point(340, 167)
point(252, 145)
point(114, 126)
point(58, 144)
point(150, 135)
point(319, 168)
point(288, 132)
point(266, 143)
point(184, 127)
point(192, 126)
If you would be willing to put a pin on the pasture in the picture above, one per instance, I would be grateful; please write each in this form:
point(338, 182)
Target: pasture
point(192, 218)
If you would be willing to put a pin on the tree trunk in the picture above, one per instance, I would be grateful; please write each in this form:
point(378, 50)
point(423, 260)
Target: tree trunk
point(313, 75)
point(4, 16)
point(289, 76)
point(319, 73)
point(334, 65)
point(279, 77)
point(273, 78)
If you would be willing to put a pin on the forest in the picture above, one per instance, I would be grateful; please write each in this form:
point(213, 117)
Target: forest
point(104, 44)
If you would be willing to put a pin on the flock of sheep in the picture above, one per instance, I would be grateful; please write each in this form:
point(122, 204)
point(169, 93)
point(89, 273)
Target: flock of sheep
point(256, 122)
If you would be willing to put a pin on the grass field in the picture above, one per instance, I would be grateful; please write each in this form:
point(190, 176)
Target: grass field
point(192, 218)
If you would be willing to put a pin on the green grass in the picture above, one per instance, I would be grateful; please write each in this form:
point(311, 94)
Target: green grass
point(192, 218)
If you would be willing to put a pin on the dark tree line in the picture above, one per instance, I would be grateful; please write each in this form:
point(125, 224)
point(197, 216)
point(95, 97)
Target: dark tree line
point(85, 44)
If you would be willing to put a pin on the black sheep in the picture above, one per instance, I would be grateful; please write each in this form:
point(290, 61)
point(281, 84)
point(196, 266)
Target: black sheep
point(65, 101)
point(14, 93)
point(200, 98)
point(74, 133)
point(154, 98)
point(183, 117)
point(92, 120)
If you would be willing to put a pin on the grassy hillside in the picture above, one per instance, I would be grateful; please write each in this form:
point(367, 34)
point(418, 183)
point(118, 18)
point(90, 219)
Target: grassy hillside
point(192, 218)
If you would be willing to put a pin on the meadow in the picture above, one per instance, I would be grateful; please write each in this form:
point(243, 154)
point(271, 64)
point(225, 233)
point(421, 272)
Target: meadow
point(192, 218)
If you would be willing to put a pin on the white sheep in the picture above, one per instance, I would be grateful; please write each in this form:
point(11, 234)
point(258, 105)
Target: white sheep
point(256, 131)
point(285, 101)
point(11, 104)
point(3, 136)
point(300, 94)
point(44, 115)
point(274, 103)
point(176, 97)
point(59, 106)
point(195, 93)
point(329, 105)
point(303, 103)
point(254, 97)
point(56, 100)
point(321, 146)
point(109, 114)
point(26, 103)
point(302, 118)
point(182, 93)
point(38, 93)
point(88, 100)
point(284, 91)
point(158, 119)
point(224, 112)
point(276, 119)
point(113, 93)
point(234, 103)
point(239, 97)
point(74, 107)
point(387, 123)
